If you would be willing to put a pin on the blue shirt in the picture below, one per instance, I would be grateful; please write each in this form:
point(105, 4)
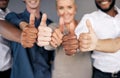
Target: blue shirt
point(29, 62)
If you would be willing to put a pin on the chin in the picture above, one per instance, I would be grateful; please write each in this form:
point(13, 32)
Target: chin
point(67, 21)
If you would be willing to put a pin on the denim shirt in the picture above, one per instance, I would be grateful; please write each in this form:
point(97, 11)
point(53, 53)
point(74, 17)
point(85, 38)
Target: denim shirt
point(29, 62)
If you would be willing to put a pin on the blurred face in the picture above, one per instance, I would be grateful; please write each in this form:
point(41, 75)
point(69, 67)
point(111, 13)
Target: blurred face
point(33, 4)
point(3, 4)
point(66, 9)
point(105, 5)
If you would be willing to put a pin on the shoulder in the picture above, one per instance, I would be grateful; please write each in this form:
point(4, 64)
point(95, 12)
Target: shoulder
point(11, 14)
point(92, 14)
point(118, 9)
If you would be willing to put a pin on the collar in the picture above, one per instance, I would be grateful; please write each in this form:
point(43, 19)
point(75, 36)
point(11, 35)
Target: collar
point(106, 15)
point(4, 12)
point(28, 14)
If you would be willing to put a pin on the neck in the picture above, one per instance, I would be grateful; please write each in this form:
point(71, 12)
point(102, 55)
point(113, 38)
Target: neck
point(36, 12)
point(112, 12)
point(74, 23)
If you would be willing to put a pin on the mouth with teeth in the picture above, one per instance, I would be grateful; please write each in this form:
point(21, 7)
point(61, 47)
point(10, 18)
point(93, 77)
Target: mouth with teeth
point(104, 2)
point(33, 1)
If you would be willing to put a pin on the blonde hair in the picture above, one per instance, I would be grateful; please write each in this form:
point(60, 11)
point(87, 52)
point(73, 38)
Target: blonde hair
point(72, 0)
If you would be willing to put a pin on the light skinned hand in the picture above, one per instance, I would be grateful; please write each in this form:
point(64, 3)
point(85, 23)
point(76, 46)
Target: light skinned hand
point(57, 34)
point(88, 41)
point(29, 33)
point(44, 32)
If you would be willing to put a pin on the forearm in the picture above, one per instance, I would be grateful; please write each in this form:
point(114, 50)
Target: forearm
point(108, 45)
point(9, 31)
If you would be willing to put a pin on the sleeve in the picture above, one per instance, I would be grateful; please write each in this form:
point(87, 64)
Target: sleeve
point(81, 27)
point(13, 18)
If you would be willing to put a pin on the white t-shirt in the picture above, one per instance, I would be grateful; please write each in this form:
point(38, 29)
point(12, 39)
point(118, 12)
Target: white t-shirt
point(5, 52)
point(105, 27)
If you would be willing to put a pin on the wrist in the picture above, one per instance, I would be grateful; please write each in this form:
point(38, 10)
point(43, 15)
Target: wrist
point(98, 43)
point(49, 47)
point(23, 25)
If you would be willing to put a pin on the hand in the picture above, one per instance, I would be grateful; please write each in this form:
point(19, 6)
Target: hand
point(29, 33)
point(44, 34)
point(88, 41)
point(57, 34)
point(70, 42)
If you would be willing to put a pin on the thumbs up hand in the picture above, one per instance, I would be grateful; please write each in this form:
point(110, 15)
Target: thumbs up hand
point(70, 42)
point(29, 33)
point(88, 41)
point(44, 32)
point(57, 34)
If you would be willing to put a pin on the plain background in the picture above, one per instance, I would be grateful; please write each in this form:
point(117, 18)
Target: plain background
point(49, 7)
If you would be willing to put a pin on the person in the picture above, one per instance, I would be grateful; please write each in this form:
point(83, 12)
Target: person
point(5, 55)
point(67, 65)
point(32, 61)
point(102, 28)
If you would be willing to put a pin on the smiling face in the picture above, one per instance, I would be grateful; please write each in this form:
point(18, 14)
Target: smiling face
point(105, 5)
point(66, 9)
point(4, 4)
point(33, 4)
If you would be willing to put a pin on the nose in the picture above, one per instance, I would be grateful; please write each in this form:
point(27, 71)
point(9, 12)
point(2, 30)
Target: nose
point(65, 11)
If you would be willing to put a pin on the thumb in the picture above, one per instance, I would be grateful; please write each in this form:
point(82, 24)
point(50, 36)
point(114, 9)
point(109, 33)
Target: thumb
point(43, 20)
point(61, 24)
point(71, 28)
point(89, 26)
point(32, 20)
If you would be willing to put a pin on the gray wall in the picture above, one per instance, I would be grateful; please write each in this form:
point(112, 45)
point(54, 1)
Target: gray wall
point(48, 6)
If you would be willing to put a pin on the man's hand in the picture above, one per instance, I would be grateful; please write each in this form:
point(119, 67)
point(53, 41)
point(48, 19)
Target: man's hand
point(70, 42)
point(88, 41)
point(29, 33)
point(44, 32)
point(57, 34)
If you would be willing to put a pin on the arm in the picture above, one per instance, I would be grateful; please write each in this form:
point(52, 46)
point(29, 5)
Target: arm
point(14, 18)
point(108, 45)
point(29, 32)
point(89, 41)
point(9, 31)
